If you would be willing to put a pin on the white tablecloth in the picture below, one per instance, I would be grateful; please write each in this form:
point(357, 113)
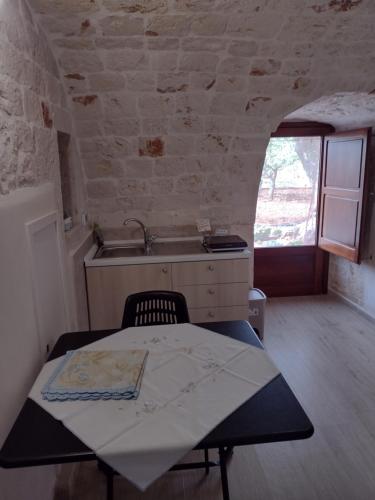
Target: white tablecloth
point(193, 380)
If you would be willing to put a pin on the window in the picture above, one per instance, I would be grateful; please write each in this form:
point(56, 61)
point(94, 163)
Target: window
point(311, 201)
point(287, 201)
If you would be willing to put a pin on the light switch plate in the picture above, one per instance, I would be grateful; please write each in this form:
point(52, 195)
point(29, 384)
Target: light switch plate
point(203, 225)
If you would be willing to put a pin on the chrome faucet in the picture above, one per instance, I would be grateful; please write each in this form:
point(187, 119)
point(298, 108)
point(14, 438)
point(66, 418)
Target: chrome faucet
point(147, 236)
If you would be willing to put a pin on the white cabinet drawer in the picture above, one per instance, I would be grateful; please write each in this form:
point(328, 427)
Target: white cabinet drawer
point(216, 295)
point(207, 314)
point(207, 272)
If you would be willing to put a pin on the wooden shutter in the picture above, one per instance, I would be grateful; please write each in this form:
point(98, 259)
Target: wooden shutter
point(343, 193)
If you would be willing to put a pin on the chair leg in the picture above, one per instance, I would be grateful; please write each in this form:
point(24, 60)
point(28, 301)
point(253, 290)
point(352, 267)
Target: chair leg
point(109, 477)
point(223, 454)
point(108, 472)
point(207, 468)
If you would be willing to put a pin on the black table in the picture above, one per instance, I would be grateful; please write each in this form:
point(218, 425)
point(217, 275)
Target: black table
point(273, 414)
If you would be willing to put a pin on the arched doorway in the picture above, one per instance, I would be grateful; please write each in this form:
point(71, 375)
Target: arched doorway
point(311, 202)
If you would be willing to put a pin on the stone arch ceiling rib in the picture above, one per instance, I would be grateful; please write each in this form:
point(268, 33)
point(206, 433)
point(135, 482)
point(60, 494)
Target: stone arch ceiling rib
point(178, 97)
point(342, 110)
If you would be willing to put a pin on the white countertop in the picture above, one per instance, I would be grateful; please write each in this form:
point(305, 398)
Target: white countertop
point(157, 259)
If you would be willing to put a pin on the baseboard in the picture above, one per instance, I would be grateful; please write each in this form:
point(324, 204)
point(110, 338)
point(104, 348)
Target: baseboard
point(351, 304)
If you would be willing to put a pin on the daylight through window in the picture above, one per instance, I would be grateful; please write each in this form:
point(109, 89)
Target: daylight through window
point(287, 201)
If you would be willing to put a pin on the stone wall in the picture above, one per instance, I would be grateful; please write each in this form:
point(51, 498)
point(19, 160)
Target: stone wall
point(32, 102)
point(174, 101)
point(33, 107)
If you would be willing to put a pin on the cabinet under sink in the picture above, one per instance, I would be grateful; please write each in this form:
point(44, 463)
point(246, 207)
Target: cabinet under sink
point(215, 286)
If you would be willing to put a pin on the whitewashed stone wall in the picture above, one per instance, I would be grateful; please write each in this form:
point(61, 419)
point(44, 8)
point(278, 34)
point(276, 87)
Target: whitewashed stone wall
point(33, 107)
point(32, 102)
point(174, 100)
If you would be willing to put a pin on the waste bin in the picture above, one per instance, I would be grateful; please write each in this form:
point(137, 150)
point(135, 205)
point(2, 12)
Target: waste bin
point(257, 303)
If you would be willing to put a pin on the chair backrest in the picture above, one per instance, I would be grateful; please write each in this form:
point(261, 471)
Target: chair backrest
point(155, 307)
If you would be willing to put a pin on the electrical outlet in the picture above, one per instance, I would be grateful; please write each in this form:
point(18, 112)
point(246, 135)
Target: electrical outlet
point(221, 231)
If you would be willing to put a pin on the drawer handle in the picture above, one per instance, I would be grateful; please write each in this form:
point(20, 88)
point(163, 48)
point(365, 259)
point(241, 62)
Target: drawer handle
point(211, 314)
point(211, 268)
point(165, 270)
point(211, 291)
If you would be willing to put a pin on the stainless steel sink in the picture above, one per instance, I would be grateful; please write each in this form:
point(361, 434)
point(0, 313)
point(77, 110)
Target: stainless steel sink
point(159, 248)
point(117, 251)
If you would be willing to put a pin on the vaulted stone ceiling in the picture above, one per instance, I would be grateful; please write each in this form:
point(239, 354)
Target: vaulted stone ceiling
point(342, 110)
point(174, 100)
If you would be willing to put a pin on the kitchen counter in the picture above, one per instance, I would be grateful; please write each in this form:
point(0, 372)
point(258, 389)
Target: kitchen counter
point(187, 250)
point(215, 285)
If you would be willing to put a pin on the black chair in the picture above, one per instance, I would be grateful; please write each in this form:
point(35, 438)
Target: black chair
point(156, 307)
